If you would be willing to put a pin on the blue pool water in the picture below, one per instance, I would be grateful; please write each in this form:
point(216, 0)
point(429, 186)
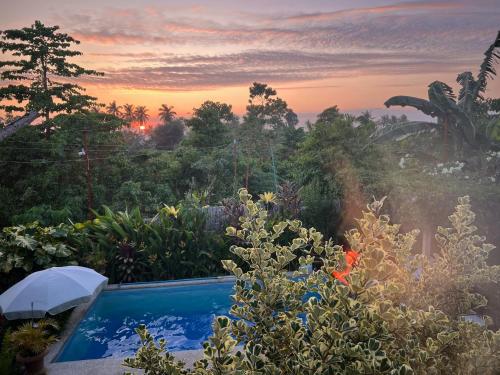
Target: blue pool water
point(182, 315)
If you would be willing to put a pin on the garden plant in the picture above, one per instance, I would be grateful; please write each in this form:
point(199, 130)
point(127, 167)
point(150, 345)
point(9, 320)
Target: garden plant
point(365, 322)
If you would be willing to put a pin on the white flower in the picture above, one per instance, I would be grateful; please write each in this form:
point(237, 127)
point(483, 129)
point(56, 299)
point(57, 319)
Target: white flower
point(466, 177)
point(493, 179)
point(440, 165)
point(488, 158)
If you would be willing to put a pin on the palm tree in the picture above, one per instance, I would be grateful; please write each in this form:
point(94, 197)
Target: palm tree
point(141, 115)
point(114, 109)
point(128, 112)
point(453, 114)
point(166, 113)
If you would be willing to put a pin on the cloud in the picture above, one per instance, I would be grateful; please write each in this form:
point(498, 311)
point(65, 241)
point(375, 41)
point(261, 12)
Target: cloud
point(111, 37)
point(194, 72)
point(453, 26)
point(392, 8)
point(128, 55)
point(401, 38)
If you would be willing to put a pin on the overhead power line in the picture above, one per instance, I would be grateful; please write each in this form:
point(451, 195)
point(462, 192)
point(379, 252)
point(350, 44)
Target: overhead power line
point(45, 161)
point(146, 152)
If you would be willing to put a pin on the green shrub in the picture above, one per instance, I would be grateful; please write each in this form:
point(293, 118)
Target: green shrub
point(450, 279)
point(31, 339)
point(31, 247)
point(127, 247)
point(7, 355)
point(310, 323)
point(43, 214)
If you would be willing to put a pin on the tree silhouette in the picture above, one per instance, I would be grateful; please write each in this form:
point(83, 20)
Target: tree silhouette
point(114, 109)
point(329, 115)
point(129, 112)
point(166, 113)
point(169, 135)
point(454, 114)
point(141, 115)
point(42, 55)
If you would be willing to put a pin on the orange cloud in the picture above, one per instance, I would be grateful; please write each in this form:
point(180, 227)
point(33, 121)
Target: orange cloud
point(417, 5)
point(105, 37)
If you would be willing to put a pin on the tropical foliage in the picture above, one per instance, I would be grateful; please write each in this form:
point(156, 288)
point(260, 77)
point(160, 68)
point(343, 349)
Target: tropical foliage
point(168, 136)
point(311, 323)
point(173, 244)
point(31, 339)
point(455, 115)
point(114, 109)
point(158, 197)
point(129, 112)
point(31, 247)
point(167, 113)
point(450, 280)
point(44, 53)
point(332, 166)
point(141, 115)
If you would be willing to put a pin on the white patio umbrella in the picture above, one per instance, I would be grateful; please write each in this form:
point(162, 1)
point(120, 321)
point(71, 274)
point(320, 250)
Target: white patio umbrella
point(53, 290)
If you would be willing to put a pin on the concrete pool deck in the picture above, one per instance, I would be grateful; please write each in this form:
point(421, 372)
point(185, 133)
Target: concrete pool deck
point(109, 366)
point(112, 366)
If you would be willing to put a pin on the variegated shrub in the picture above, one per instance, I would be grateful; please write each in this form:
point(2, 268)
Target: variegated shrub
point(310, 323)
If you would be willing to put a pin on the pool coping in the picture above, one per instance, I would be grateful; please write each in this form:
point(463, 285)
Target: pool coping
point(114, 365)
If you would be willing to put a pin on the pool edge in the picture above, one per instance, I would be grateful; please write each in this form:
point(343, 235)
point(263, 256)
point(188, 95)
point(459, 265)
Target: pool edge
point(80, 312)
point(111, 366)
point(162, 284)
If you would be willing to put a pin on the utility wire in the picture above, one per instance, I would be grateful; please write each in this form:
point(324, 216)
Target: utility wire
point(102, 145)
point(44, 161)
point(42, 143)
point(74, 148)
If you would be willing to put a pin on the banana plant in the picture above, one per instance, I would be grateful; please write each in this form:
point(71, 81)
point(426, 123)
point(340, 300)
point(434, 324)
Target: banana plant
point(454, 114)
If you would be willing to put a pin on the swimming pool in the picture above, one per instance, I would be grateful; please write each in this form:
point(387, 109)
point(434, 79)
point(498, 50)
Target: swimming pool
point(182, 314)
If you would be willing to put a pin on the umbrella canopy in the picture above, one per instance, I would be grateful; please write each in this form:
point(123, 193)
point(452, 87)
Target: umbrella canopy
point(53, 290)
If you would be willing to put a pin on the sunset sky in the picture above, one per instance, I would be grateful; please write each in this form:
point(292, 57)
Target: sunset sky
point(316, 53)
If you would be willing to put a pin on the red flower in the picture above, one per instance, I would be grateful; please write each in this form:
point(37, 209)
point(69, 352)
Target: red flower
point(340, 276)
point(351, 258)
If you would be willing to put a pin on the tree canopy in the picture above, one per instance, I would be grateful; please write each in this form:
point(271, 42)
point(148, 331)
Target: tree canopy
point(40, 56)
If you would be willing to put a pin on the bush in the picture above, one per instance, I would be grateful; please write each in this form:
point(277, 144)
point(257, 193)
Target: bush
point(31, 339)
point(31, 247)
point(167, 136)
point(7, 355)
point(173, 244)
point(320, 323)
point(450, 280)
point(43, 214)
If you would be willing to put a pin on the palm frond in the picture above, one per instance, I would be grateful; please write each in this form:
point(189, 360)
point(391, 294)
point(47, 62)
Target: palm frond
point(487, 69)
point(421, 104)
point(468, 87)
point(441, 95)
